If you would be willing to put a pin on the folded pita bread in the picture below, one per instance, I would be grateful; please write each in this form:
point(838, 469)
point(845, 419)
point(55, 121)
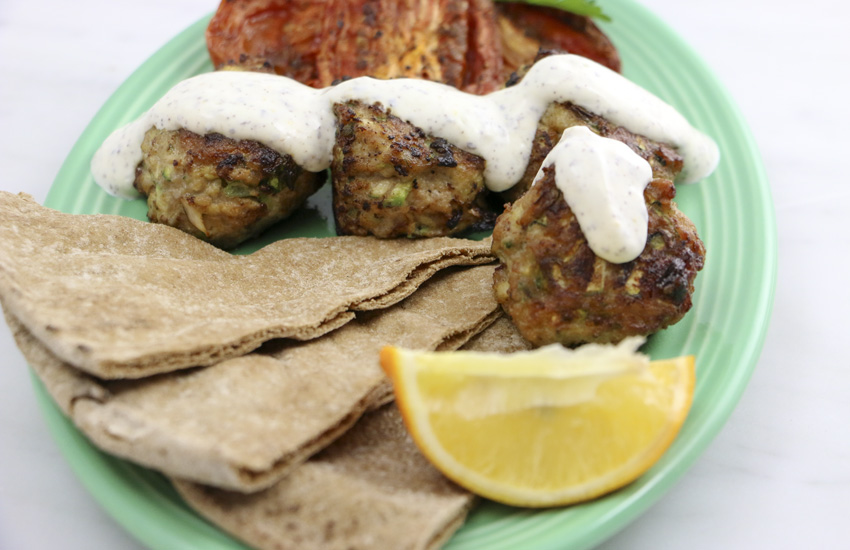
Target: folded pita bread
point(244, 423)
point(121, 298)
point(371, 489)
point(501, 336)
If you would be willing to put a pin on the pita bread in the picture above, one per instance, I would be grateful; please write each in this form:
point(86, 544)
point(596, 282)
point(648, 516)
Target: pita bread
point(122, 298)
point(244, 423)
point(501, 337)
point(371, 489)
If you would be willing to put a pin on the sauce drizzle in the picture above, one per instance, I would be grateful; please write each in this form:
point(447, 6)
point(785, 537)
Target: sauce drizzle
point(603, 181)
point(294, 119)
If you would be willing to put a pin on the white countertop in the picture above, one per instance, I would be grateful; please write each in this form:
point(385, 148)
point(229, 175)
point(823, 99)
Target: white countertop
point(777, 476)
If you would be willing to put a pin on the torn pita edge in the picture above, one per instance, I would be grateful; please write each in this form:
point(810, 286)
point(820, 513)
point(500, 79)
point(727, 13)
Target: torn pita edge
point(82, 398)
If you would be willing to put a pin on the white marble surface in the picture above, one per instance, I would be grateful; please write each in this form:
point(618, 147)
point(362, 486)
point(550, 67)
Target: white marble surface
point(778, 474)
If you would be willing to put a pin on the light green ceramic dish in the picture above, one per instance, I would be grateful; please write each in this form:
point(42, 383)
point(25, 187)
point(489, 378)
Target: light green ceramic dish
point(725, 330)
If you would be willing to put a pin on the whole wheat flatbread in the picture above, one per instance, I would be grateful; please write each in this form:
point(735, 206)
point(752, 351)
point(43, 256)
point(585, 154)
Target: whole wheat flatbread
point(121, 298)
point(501, 336)
point(371, 489)
point(246, 422)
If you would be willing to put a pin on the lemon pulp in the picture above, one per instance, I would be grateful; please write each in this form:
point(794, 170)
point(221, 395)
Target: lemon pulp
point(527, 429)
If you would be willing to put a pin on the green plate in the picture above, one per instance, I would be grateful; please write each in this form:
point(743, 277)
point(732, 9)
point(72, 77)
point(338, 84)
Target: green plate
point(725, 329)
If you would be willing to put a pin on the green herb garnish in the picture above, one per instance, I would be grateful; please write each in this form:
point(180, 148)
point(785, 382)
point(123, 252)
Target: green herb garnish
point(581, 7)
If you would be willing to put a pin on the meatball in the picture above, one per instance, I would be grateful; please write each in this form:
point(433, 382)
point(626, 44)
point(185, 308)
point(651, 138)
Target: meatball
point(557, 290)
point(664, 160)
point(390, 179)
point(221, 190)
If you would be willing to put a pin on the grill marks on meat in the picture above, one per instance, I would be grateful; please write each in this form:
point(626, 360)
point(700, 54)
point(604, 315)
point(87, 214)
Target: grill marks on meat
point(390, 179)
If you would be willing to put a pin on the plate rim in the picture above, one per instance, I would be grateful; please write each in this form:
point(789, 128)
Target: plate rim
point(70, 440)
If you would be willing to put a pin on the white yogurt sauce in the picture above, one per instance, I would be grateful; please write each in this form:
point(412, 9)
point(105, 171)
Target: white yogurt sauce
point(294, 119)
point(283, 114)
point(603, 181)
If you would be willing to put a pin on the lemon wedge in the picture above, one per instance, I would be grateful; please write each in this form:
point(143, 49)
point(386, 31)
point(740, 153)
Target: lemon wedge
point(542, 428)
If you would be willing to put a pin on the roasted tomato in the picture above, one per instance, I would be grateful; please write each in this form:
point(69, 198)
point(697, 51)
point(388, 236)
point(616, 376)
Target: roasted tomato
point(526, 29)
point(319, 42)
point(286, 33)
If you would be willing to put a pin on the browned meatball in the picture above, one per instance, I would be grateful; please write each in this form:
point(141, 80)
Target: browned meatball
point(665, 162)
point(392, 180)
point(557, 290)
point(221, 190)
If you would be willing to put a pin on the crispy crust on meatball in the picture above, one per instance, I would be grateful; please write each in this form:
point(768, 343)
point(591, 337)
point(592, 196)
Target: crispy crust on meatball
point(390, 179)
point(218, 189)
point(663, 159)
point(557, 290)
